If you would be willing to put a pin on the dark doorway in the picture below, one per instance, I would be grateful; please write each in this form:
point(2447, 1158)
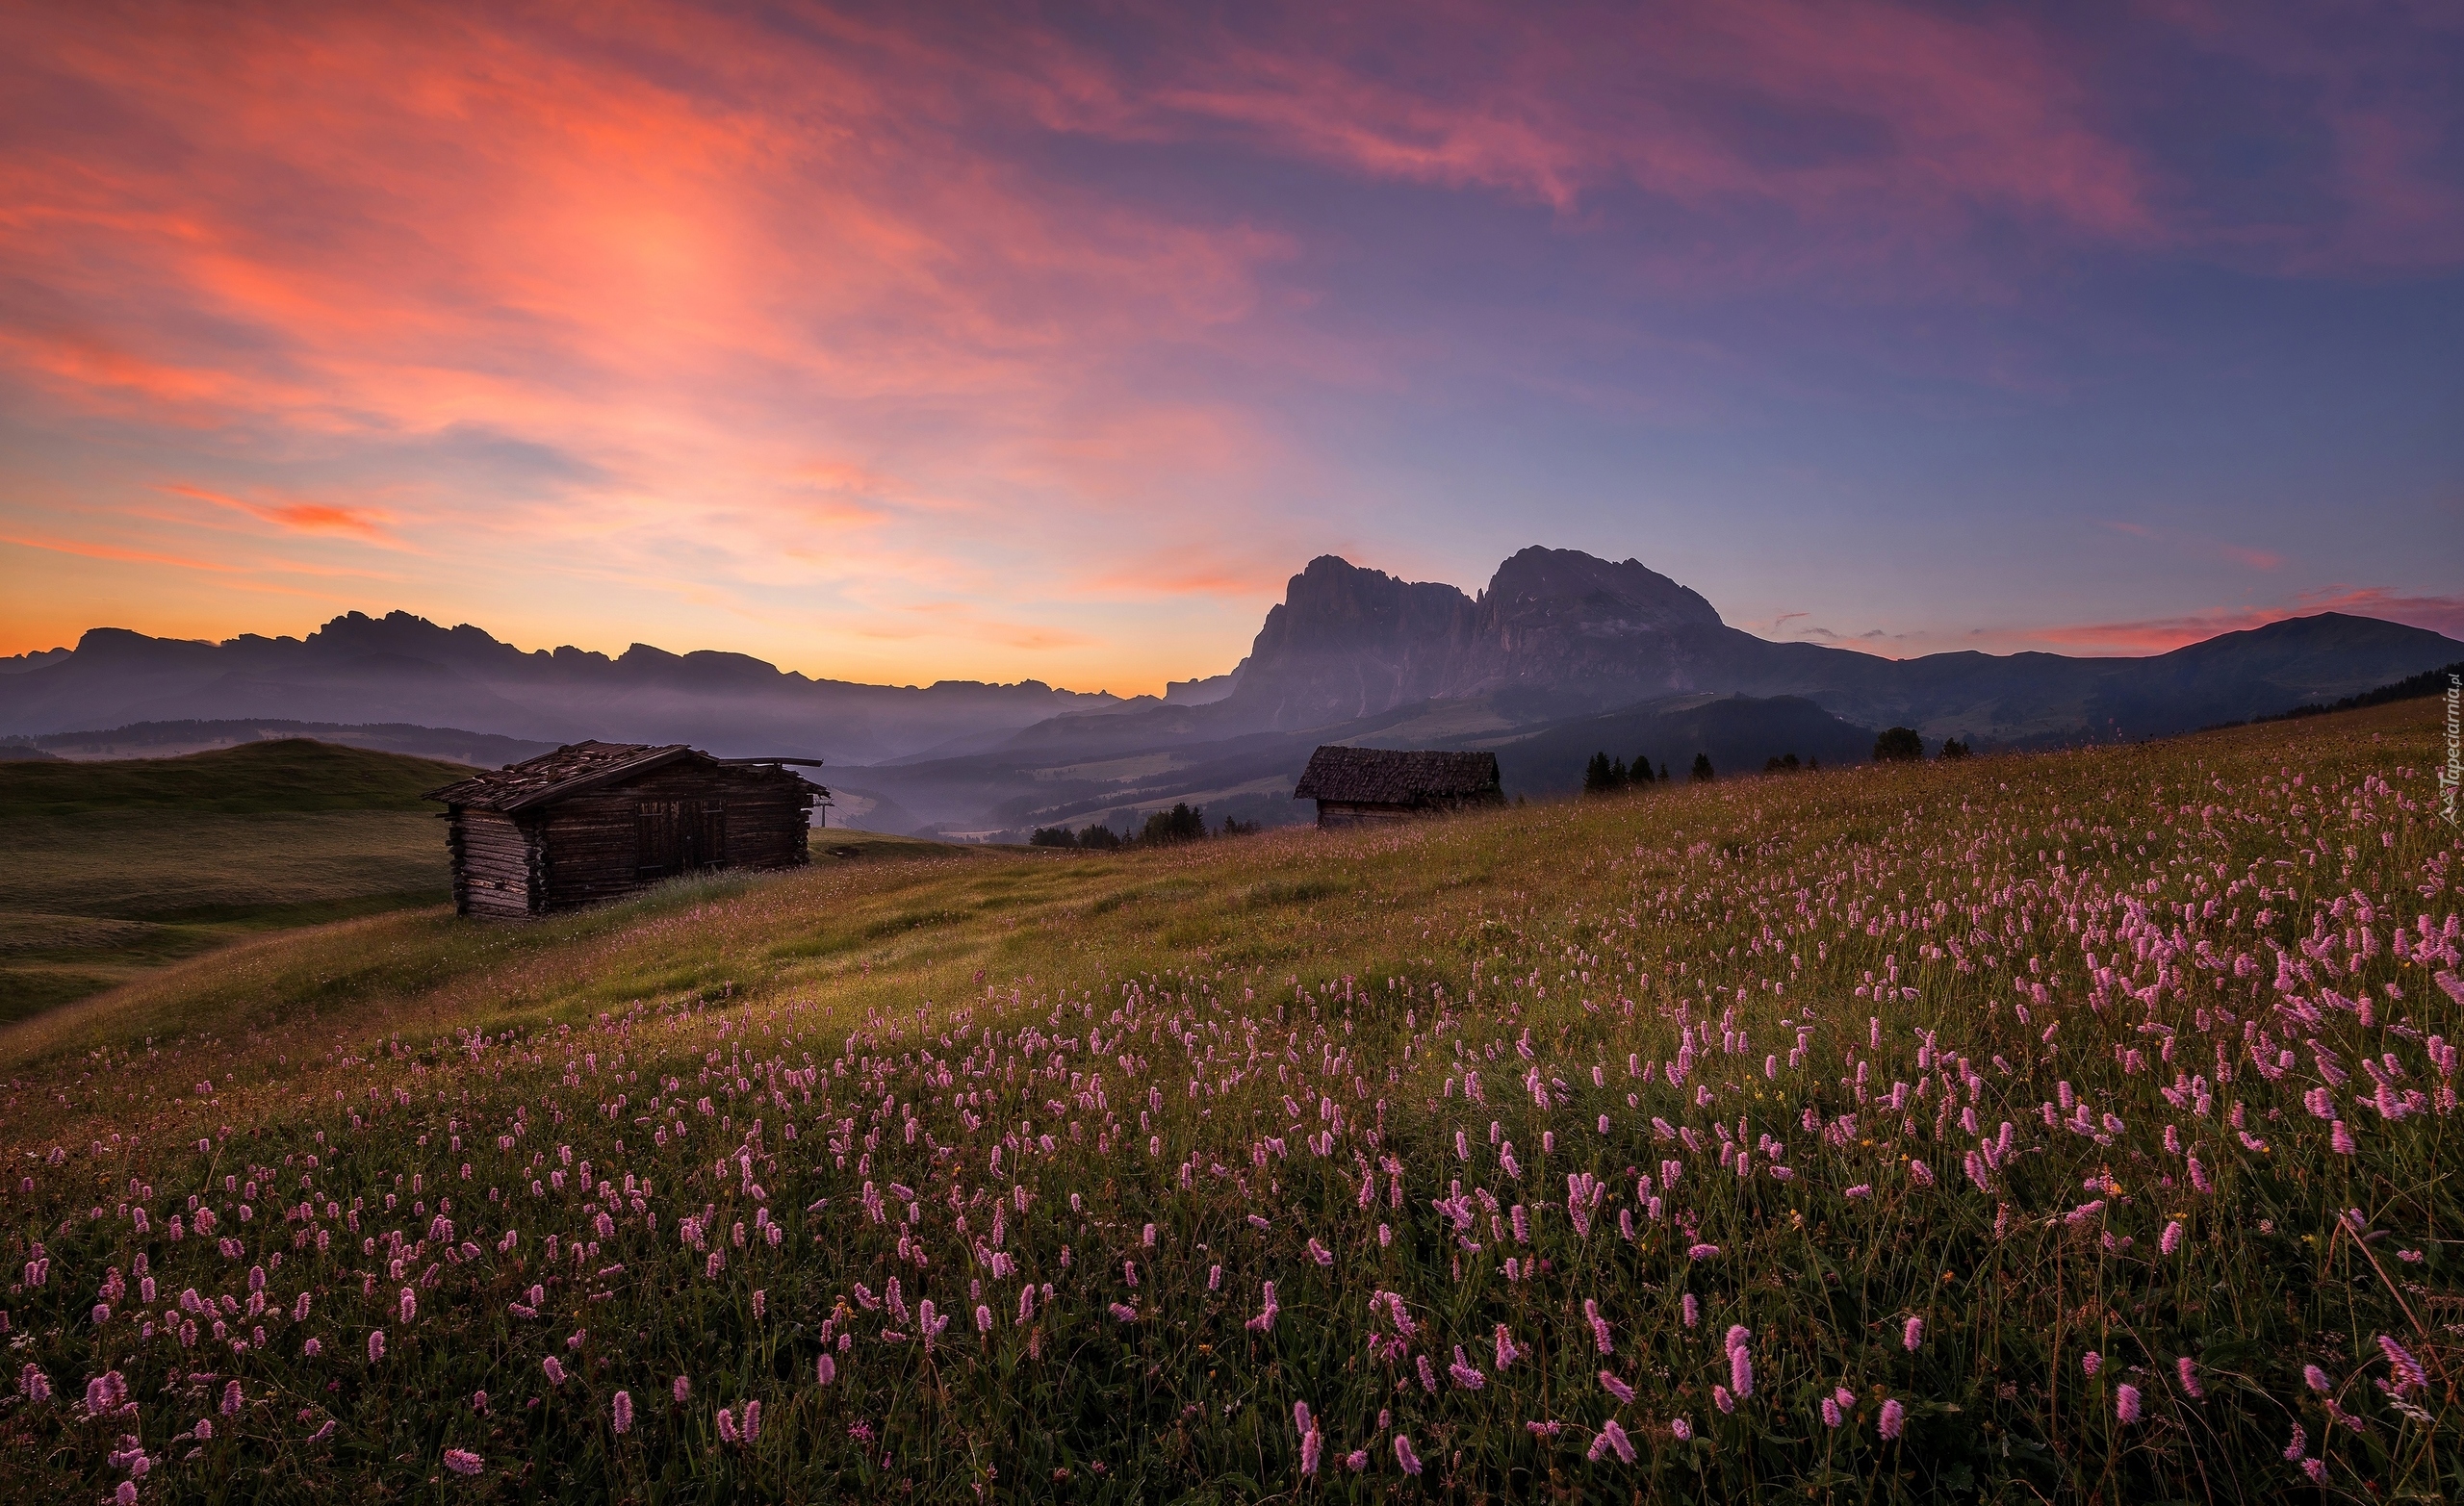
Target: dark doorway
point(676, 836)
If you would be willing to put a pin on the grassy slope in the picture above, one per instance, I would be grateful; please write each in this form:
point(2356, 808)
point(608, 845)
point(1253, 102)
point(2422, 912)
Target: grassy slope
point(1284, 964)
point(119, 867)
point(288, 774)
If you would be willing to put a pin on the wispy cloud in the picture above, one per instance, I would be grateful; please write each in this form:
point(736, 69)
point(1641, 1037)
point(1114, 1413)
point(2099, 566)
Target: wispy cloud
point(306, 516)
point(829, 321)
point(2444, 614)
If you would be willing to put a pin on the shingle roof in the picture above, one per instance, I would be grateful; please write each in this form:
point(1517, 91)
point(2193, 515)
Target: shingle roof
point(568, 771)
point(1392, 777)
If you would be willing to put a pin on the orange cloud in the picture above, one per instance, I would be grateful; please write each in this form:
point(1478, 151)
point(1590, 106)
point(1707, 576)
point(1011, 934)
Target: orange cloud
point(806, 319)
point(307, 517)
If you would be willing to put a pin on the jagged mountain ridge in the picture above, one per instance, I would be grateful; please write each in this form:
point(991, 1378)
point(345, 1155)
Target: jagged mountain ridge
point(1569, 633)
point(405, 669)
point(1557, 640)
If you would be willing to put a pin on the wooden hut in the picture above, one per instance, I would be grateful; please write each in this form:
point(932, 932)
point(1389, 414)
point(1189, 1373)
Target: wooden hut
point(594, 820)
point(1352, 785)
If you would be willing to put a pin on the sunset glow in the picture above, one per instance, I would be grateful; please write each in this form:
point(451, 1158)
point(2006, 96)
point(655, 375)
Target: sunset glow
point(894, 349)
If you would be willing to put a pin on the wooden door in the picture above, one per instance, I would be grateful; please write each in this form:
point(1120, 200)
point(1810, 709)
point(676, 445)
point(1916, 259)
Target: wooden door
point(675, 837)
point(702, 827)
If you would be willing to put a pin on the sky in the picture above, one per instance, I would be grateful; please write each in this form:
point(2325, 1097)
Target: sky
point(901, 343)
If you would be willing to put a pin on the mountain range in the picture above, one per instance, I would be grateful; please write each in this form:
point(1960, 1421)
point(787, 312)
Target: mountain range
point(1560, 655)
point(405, 669)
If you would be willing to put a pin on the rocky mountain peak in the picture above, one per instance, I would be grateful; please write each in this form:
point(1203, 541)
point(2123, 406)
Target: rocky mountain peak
point(1542, 586)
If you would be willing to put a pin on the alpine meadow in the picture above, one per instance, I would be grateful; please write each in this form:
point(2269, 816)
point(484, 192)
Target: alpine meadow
point(2058, 1125)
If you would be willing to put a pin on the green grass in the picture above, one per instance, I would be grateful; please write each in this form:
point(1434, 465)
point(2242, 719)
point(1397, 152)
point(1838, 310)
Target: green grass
point(1184, 1024)
point(291, 774)
point(119, 868)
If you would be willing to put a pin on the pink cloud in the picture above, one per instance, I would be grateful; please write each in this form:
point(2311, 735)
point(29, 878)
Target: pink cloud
point(814, 310)
point(1932, 116)
point(306, 516)
point(2441, 614)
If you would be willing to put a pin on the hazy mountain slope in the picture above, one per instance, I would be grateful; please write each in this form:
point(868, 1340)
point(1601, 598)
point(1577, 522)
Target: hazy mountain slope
point(1739, 732)
point(171, 739)
point(1350, 653)
point(401, 668)
point(1018, 788)
point(1570, 634)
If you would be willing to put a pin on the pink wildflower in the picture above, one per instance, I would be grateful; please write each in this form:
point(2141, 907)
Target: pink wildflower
point(1264, 1322)
point(1894, 1417)
point(2408, 1372)
point(623, 1409)
point(1680, 1429)
point(1613, 1438)
point(1911, 1334)
point(461, 1461)
point(2126, 1403)
point(555, 1372)
point(375, 1345)
point(2091, 1362)
point(682, 1388)
point(1609, 1383)
point(1404, 1456)
point(2189, 1373)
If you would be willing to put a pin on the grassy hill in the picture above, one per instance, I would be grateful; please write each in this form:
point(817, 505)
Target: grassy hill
point(1888, 1133)
point(290, 773)
point(119, 868)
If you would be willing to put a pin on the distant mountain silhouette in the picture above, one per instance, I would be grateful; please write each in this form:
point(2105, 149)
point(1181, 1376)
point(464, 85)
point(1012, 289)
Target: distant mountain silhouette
point(1562, 655)
point(1570, 634)
point(405, 669)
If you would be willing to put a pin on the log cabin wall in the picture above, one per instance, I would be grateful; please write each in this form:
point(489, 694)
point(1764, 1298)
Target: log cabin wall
point(613, 841)
point(495, 865)
point(1333, 814)
point(597, 820)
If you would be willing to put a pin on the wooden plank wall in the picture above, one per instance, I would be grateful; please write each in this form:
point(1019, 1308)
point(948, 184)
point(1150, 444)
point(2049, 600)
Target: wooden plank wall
point(495, 865)
point(588, 849)
point(591, 840)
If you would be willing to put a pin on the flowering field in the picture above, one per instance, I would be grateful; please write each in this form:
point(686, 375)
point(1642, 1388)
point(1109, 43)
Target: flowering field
point(2053, 1127)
